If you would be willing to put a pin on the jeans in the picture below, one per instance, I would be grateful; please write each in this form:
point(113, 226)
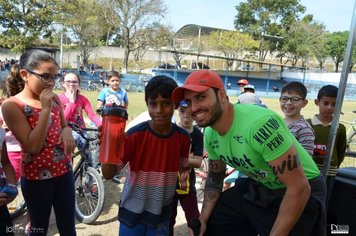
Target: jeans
point(144, 230)
point(41, 195)
point(91, 155)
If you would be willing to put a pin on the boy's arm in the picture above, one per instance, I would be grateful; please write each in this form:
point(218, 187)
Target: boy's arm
point(341, 145)
point(195, 161)
point(7, 167)
point(99, 105)
point(126, 100)
point(101, 99)
point(126, 104)
point(110, 170)
point(89, 110)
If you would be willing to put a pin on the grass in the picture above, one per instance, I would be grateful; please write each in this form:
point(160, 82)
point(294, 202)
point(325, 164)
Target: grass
point(137, 105)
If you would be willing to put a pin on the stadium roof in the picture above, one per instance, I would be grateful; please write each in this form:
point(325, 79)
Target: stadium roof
point(188, 37)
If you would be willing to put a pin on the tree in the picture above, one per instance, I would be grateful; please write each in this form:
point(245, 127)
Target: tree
point(320, 51)
point(231, 43)
point(300, 40)
point(22, 23)
point(156, 37)
point(133, 15)
point(264, 19)
point(336, 47)
point(82, 18)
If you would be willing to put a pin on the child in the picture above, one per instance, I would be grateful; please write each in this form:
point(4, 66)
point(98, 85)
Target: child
point(110, 95)
point(241, 84)
point(73, 105)
point(188, 197)
point(35, 117)
point(292, 101)
point(155, 150)
point(12, 145)
point(113, 94)
point(8, 189)
point(321, 123)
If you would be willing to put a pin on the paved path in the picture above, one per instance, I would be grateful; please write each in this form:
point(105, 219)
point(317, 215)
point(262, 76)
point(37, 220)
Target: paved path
point(107, 223)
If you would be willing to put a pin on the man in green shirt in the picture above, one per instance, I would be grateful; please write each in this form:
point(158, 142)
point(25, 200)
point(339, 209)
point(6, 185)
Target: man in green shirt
point(284, 193)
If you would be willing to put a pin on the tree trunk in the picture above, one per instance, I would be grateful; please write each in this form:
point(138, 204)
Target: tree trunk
point(125, 62)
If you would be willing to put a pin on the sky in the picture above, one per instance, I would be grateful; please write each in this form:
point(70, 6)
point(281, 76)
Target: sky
point(334, 14)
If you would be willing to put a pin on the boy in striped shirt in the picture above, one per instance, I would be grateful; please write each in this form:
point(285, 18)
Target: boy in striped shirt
point(292, 101)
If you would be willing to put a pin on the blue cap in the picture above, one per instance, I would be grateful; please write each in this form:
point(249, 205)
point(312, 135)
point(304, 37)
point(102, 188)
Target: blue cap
point(183, 103)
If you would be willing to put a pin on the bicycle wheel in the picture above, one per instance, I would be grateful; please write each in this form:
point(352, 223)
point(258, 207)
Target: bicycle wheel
point(18, 205)
point(89, 195)
point(351, 142)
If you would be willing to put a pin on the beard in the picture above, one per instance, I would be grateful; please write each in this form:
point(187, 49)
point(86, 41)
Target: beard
point(215, 114)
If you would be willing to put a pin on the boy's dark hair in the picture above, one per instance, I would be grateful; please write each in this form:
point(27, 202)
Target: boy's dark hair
point(160, 85)
point(29, 60)
point(113, 73)
point(327, 91)
point(296, 87)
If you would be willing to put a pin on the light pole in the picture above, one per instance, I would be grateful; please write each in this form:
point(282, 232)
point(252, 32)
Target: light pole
point(61, 51)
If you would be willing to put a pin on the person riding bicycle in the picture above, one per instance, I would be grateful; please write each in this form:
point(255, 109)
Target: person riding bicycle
point(74, 104)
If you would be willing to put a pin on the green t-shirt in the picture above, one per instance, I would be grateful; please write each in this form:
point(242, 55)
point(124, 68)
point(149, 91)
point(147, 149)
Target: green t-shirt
point(257, 136)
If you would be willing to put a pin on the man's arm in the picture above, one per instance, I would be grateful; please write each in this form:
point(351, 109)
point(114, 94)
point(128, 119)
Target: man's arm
point(212, 191)
point(289, 171)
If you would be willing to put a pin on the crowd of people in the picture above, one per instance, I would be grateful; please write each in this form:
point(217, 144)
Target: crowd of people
point(275, 162)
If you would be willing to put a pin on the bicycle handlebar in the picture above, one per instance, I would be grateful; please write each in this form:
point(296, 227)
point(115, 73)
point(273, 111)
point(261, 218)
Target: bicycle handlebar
point(81, 131)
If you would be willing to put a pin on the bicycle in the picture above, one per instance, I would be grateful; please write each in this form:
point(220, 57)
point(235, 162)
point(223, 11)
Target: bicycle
point(89, 186)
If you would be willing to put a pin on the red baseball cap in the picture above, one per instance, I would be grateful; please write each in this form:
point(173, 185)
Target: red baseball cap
point(243, 81)
point(198, 81)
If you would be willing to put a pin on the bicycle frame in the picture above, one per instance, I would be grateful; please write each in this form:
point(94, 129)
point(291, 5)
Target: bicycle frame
point(89, 186)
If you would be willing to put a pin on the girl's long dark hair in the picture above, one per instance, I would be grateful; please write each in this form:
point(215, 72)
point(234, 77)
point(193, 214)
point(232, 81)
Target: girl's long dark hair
point(30, 60)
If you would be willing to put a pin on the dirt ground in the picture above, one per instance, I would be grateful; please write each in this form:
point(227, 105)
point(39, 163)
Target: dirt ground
point(107, 223)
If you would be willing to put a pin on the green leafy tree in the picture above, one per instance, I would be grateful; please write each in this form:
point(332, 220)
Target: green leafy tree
point(300, 40)
point(82, 19)
point(132, 15)
point(231, 43)
point(336, 47)
point(266, 19)
point(24, 23)
point(320, 51)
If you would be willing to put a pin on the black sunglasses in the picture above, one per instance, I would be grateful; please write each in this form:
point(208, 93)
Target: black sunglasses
point(46, 78)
